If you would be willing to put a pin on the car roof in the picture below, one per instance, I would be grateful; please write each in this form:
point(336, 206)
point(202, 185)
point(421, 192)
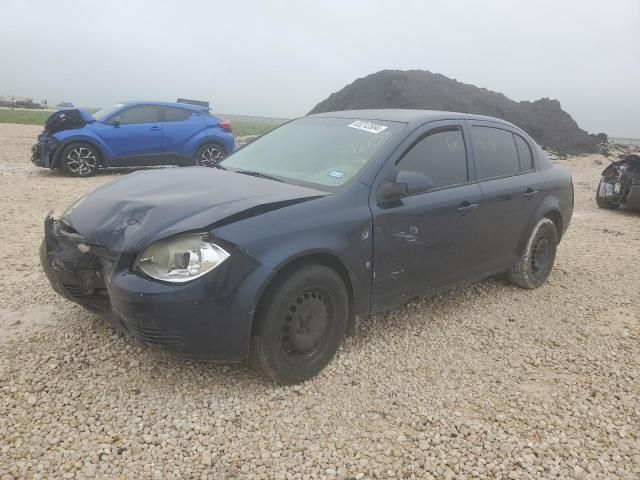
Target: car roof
point(186, 106)
point(406, 115)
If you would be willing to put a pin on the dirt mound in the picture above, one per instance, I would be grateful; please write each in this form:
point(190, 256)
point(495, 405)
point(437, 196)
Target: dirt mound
point(544, 119)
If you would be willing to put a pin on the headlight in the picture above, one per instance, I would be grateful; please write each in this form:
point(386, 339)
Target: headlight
point(181, 258)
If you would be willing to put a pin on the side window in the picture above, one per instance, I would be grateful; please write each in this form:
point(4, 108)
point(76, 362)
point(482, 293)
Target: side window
point(496, 153)
point(441, 156)
point(524, 153)
point(175, 114)
point(139, 114)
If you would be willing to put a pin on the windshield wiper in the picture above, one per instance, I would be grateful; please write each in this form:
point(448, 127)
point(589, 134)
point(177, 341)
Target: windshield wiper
point(253, 173)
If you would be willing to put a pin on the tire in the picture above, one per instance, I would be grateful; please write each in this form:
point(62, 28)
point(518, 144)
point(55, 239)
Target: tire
point(80, 159)
point(209, 155)
point(299, 327)
point(606, 205)
point(603, 203)
point(535, 264)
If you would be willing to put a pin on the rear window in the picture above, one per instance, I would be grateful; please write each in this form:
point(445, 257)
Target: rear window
point(524, 153)
point(175, 114)
point(496, 153)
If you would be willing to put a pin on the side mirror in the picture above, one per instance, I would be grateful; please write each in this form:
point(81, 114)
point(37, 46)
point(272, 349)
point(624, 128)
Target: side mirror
point(407, 182)
point(391, 191)
point(414, 182)
point(115, 122)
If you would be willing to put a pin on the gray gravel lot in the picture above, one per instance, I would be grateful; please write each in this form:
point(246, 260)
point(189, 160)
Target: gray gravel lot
point(485, 381)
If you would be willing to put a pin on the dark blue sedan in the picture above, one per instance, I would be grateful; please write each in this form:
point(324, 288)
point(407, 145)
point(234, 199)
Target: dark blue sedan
point(275, 254)
point(132, 135)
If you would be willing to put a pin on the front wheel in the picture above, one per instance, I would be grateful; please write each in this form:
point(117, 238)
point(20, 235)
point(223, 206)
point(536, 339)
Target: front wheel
point(301, 324)
point(535, 264)
point(80, 159)
point(209, 155)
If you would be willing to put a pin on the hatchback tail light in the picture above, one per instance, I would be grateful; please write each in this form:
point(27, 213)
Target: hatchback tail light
point(225, 125)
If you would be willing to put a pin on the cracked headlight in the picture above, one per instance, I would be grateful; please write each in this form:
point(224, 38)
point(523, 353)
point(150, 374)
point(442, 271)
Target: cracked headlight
point(181, 258)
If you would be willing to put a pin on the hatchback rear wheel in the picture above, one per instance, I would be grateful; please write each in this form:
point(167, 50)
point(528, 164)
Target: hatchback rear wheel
point(300, 325)
point(209, 155)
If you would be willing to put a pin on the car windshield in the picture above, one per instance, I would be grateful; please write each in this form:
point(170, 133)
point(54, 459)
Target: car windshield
point(324, 153)
point(105, 112)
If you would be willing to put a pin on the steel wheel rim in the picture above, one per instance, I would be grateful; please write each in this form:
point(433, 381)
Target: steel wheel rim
point(81, 161)
point(306, 326)
point(210, 156)
point(540, 254)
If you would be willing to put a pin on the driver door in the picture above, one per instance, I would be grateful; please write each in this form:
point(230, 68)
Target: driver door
point(134, 135)
point(426, 241)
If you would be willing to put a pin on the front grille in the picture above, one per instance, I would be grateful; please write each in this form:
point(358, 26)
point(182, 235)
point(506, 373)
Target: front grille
point(156, 336)
point(94, 294)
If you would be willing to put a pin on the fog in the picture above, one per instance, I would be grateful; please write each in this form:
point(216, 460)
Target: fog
point(279, 59)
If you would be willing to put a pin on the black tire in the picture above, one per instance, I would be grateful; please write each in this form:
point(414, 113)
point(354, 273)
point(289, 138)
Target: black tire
point(602, 203)
point(300, 325)
point(606, 205)
point(535, 264)
point(80, 159)
point(209, 155)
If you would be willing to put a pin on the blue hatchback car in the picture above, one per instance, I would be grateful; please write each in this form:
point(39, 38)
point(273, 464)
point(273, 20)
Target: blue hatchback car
point(131, 135)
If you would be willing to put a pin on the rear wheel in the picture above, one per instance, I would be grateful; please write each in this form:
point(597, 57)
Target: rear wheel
point(80, 159)
point(209, 155)
point(300, 325)
point(535, 264)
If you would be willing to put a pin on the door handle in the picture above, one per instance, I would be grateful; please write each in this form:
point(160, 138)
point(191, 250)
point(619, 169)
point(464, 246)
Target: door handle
point(465, 207)
point(530, 193)
point(155, 129)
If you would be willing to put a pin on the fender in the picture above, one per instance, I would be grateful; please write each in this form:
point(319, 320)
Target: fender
point(67, 137)
point(214, 135)
point(357, 287)
point(303, 233)
point(550, 206)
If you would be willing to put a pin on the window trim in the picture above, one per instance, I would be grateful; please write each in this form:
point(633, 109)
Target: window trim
point(124, 109)
point(506, 129)
point(164, 116)
point(532, 168)
point(433, 131)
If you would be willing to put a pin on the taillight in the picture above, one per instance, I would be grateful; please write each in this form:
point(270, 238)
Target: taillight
point(225, 125)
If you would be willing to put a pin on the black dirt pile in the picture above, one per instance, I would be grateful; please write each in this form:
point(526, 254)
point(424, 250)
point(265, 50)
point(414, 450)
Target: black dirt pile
point(544, 119)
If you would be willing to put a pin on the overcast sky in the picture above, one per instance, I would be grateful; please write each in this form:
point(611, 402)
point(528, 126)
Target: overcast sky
point(280, 58)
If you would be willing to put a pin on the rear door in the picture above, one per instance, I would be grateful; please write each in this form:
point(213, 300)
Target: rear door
point(426, 241)
point(180, 128)
point(134, 134)
point(511, 191)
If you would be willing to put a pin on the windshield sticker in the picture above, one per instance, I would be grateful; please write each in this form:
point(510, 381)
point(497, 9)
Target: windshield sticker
point(367, 126)
point(337, 173)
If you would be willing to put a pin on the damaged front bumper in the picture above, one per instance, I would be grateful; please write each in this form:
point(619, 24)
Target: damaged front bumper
point(43, 152)
point(207, 318)
point(620, 193)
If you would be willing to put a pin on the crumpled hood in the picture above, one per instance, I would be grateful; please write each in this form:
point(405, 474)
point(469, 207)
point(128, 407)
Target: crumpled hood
point(67, 119)
point(128, 214)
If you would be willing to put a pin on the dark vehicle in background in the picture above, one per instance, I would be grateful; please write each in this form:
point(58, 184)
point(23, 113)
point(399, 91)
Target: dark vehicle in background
point(275, 254)
point(620, 183)
point(132, 135)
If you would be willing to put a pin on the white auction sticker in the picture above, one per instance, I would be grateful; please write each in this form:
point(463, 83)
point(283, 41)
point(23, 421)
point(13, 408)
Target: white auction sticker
point(367, 126)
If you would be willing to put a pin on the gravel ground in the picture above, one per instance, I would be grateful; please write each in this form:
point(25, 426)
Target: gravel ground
point(485, 381)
